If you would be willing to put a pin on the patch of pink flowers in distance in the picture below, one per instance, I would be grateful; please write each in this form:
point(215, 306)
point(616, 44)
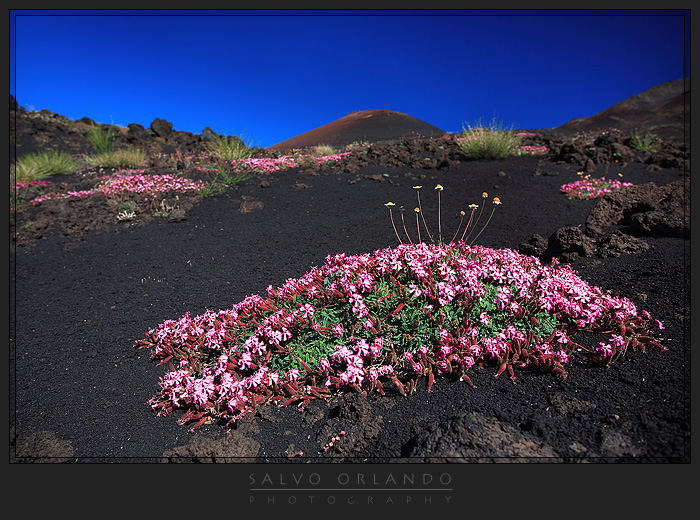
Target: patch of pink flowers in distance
point(31, 184)
point(274, 164)
point(222, 363)
point(592, 188)
point(530, 150)
point(134, 181)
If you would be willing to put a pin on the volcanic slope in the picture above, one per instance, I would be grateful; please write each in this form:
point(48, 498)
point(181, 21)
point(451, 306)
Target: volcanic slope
point(663, 110)
point(362, 125)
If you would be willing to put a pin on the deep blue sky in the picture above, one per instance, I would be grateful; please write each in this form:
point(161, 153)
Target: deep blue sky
point(278, 74)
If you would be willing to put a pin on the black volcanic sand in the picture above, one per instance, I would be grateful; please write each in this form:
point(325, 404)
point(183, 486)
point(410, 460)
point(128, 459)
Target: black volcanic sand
point(79, 302)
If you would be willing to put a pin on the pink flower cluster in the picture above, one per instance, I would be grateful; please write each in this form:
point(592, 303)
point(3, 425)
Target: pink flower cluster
point(31, 184)
point(223, 359)
point(591, 188)
point(530, 149)
point(132, 181)
point(273, 164)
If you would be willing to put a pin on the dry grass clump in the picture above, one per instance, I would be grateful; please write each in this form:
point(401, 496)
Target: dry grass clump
point(40, 165)
point(322, 150)
point(488, 142)
point(122, 158)
point(228, 149)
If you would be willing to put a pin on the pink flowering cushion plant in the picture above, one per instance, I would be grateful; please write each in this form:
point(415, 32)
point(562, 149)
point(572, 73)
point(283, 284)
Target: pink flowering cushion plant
point(591, 188)
point(264, 165)
point(135, 181)
point(387, 318)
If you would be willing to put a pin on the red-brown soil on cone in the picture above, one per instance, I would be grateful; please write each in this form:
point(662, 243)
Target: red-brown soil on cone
point(362, 125)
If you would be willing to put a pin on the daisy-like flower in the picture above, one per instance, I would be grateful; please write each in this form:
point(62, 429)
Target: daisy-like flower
point(496, 200)
point(484, 195)
point(473, 206)
point(417, 187)
point(389, 204)
point(438, 187)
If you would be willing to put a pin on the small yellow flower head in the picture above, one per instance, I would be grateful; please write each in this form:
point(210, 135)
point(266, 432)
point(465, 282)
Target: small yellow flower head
point(416, 210)
point(579, 173)
point(417, 187)
point(389, 204)
point(496, 200)
point(438, 187)
point(462, 213)
point(473, 206)
point(619, 174)
point(401, 209)
point(484, 194)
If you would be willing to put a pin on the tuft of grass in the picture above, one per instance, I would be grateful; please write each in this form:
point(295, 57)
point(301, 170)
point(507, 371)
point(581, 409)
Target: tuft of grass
point(648, 143)
point(42, 164)
point(322, 150)
point(488, 142)
point(225, 177)
point(123, 158)
point(228, 149)
point(101, 138)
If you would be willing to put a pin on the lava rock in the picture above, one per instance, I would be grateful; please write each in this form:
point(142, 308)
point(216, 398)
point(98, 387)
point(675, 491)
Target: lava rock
point(207, 134)
point(620, 243)
point(536, 245)
point(161, 127)
point(647, 209)
point(475, 435)
point(569, 243)
point(234, 447)
point(136, 132)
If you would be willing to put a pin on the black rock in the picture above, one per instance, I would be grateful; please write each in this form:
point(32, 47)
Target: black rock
point(620, 243)
point(136, 132)
point(569, 242)
point(161, 127)
point(536, 245)
point(207, 134)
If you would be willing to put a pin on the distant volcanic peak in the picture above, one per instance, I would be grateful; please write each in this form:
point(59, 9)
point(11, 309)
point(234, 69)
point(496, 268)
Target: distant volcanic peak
point(362, 125)
point(364, 114)
point(657, 95)
point(660, 109)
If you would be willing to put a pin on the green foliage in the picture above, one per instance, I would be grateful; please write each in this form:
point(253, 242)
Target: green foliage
point(488, 142)
point(128, 205)
point(228, 149)
point(542, 327)
point(648, 143)
point(225, 176)
point(42, 164)
point(101, 138)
